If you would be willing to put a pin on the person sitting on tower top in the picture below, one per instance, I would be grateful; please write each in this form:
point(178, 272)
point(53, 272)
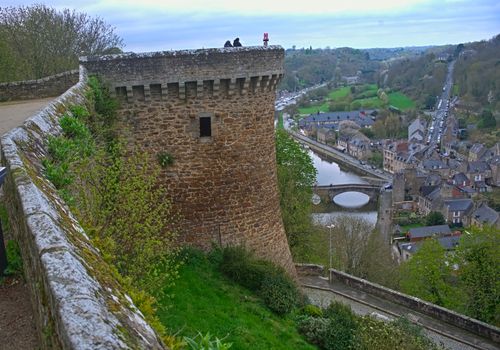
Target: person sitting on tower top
point(236, 42)
point(228, 44)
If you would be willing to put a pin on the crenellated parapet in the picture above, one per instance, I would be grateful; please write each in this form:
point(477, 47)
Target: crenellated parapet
point(190, 74)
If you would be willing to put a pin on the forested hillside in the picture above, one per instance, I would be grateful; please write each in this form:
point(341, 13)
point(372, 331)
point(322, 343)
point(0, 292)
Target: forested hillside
point(420, 78)
point(307, 67)
point(477, 73)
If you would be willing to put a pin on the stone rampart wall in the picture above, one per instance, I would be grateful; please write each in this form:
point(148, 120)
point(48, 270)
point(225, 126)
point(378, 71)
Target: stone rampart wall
point(224, 184)
point(77, 302)
point(420, 305)
point(51, 86)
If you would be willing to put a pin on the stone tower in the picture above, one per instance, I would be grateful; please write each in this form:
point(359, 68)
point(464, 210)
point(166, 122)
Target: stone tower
point(213, 111)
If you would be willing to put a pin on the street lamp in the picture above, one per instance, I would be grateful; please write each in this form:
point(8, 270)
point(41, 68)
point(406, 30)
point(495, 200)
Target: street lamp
point(332, 226)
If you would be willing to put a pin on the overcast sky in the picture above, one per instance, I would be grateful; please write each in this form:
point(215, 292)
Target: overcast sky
point(149, 25)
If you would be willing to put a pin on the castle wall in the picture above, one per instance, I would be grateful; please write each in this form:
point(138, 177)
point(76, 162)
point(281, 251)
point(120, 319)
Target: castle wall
point(51, 86)
point(224, 185)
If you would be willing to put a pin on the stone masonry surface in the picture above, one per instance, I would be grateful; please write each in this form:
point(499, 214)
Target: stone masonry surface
point(76, 300)
point(51, 86)
point(223, 185)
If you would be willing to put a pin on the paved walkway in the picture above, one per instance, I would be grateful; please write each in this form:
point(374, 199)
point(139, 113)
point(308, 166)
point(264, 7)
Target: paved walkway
point(321, 292)
point(13, 114)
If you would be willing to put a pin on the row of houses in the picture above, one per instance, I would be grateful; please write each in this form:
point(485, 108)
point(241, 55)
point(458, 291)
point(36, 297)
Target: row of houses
point(332, 120)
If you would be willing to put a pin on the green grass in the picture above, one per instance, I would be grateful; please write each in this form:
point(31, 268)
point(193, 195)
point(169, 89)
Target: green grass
point(314, 109)
point(455, 90)
point(369, 103)
point(400, 101)
point(339, 93)
point(205, 301)
point(365, 96)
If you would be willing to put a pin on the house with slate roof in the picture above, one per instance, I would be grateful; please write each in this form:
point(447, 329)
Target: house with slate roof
point(476, 152)
point(416, 131)
point(457, 211)
point(484, 215)
point(332, 120)
point(408, 249)
point(419, 233)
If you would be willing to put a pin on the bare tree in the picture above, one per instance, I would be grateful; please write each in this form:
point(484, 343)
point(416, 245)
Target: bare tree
point(45, 41)
point(361, 251)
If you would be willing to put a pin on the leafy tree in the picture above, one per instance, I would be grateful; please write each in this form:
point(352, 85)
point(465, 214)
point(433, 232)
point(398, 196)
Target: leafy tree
point(43, 41)
point(434, 218)
point(478, 258)
point(426, 275)
point(487, 120)
point(296, 176)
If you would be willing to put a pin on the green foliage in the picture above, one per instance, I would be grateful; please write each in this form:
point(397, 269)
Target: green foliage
point(57, 173)
point(374, 334)
point(313, 329)
point(74, 128)
point(128, 215)
point(79, 112)
point(37, 41)
point(312, 310)
point(276, 288)
point(205, 299)
point(487, 120)
point(296, 176)
point(205, 342)
point(342, 328)
point(14, 260)
point(426, 276)
point(241, 266)
point(104, 105)
point(279, 293)
point(376, 158)
point(165, 159)
point(434, 218)
point(478, 258)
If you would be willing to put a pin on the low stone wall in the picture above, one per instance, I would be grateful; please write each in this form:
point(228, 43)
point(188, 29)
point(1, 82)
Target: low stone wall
point(51, 86)
point(454, 318)
point(77, 302)
point(309, 269)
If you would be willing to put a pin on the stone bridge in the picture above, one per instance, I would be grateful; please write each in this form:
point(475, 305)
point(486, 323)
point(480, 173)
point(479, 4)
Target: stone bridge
point(330, 191)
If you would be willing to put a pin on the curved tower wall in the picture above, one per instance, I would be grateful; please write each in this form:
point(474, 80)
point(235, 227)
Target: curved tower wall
point(213, 111)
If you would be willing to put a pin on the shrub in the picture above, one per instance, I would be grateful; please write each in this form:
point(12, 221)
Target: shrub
point(79, 112)
point(272, 283)
point(313, 329)
point(74, 128)
point(312, 310)
point(58, 174)
point(279, 293)
point(342, 327)
point(240, 265)
point(103, 103)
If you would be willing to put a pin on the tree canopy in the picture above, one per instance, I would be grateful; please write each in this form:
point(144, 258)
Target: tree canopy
point(434, 218)
point(478, 258)
point(296, 176)
point(38, 41)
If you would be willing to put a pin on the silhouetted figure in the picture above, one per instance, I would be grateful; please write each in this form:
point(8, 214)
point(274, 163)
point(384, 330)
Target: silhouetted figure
point(236, 42)
point(228, 44)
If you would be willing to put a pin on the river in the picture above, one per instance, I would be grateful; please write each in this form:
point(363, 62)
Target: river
point(348, 203)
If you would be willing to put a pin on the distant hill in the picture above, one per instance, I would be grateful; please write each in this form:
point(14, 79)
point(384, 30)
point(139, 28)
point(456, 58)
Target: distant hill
point(307, 67)
point(477, 73)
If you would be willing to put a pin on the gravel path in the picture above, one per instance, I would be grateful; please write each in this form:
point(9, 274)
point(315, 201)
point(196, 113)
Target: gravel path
point(13, 114)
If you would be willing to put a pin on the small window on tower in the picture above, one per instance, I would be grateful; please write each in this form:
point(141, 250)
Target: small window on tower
point(205, 127)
